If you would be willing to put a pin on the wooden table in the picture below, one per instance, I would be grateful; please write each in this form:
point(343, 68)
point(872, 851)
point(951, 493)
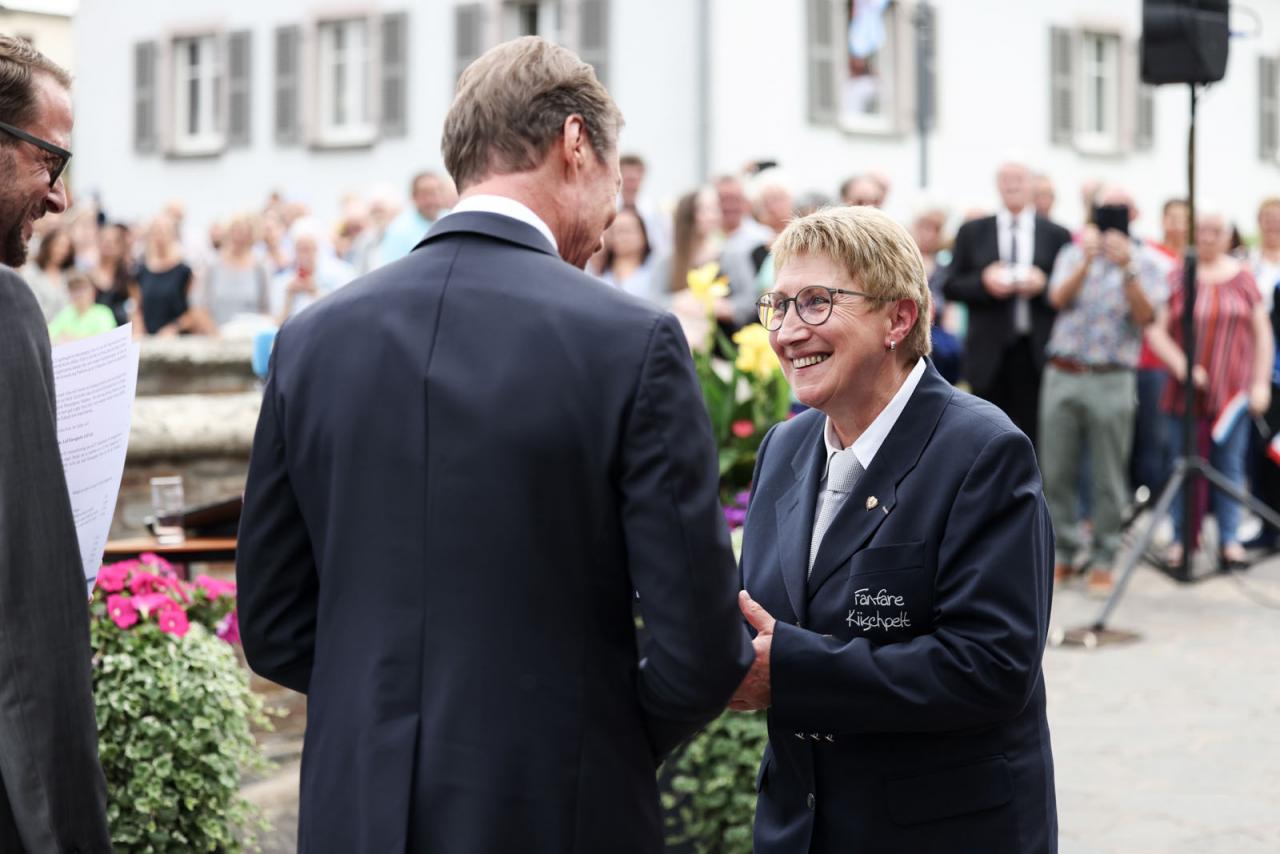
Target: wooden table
point(192, 550)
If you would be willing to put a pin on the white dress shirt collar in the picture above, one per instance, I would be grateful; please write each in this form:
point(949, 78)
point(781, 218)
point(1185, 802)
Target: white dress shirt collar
point(504, 206)
point(868, 444)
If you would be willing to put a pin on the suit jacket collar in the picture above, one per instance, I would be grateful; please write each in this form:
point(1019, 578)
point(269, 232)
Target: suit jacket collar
point(491, 225)
point(860, 516)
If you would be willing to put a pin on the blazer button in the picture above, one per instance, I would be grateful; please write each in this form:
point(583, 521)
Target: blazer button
point(810, 801)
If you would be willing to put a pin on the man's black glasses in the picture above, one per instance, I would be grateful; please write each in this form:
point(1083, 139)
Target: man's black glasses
point(813, 304)
point(62, 155)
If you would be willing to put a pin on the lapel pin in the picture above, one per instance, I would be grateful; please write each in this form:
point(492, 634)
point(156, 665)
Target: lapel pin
point(872, 502)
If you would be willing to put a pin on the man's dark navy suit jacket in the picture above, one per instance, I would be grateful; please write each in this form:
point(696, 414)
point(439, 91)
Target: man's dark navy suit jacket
point(466, 467)
point(908, 702)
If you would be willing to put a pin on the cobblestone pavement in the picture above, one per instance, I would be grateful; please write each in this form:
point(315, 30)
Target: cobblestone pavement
point(1169, 744)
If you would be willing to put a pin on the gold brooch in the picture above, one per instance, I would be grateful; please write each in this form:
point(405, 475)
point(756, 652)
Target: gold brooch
point(872, 502)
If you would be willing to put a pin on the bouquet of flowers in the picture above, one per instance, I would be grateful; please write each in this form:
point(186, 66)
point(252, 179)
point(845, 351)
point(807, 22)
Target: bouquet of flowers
point(174, 709)
point(742, 385)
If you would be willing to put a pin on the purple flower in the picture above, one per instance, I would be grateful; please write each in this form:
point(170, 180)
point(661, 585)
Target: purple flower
point(229, 628)
point(735, 516)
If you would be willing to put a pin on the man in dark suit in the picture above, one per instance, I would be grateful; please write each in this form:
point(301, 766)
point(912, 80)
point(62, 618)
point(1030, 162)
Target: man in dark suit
point(52, 792)
point(898, 555)
point(467, 468)
point(999, 269)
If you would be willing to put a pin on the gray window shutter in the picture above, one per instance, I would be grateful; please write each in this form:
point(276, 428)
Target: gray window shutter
point(593, 36)
point(1144, 137)
point(395, 74)
point(288, 124)
point(144, 97)
point(1267, 109)
point(822, 50)
point(927, 84)
point(239, 82)
point(1061, 86)
point(468, 36)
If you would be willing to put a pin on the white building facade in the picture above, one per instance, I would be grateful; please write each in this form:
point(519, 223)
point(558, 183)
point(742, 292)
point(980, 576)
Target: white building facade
point(220, 102)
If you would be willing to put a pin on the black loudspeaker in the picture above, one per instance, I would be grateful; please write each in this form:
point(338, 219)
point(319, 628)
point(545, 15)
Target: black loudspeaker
point(1184, 41)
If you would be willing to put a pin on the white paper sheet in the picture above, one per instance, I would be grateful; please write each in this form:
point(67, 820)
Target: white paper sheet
point(95, 381)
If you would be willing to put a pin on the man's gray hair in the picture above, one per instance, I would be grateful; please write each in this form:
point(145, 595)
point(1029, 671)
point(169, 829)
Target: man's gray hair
point(511, 105)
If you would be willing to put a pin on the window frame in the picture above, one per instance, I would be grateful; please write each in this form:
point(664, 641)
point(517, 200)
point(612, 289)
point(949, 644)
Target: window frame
point(210, 88)
point(1089, 85)
point(359, 92)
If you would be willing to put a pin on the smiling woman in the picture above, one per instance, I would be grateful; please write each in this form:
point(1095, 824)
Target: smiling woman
point(897, 555)
point(859, 323)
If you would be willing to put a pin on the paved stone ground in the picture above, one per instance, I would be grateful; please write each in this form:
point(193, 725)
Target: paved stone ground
point(1169, 744)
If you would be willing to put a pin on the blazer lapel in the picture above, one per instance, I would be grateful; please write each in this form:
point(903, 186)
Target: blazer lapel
point(795, 518)
point(875, 496)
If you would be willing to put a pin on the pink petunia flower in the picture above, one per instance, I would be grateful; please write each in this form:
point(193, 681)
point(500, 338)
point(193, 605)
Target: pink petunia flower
point(743, 428)
point(149, 603)
point(121, 611)
point(111, 577)
point(173, 619)
point(215, 588)
point(143, 581)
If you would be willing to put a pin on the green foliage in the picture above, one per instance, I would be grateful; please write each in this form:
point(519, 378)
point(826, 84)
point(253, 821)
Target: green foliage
point(174, 718)
point(745, 393)
point(711, 799)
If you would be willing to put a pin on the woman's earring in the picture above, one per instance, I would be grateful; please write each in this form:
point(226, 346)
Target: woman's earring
point(893, 345)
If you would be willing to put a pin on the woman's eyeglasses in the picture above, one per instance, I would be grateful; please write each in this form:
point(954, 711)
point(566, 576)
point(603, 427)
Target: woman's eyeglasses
point(813, 304)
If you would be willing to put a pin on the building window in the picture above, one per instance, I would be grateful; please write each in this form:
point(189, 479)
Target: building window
point(1099, 87)
point(869, 80)
point(197, 88)
point(344, 88)
point(863, 58)
point(531, 18)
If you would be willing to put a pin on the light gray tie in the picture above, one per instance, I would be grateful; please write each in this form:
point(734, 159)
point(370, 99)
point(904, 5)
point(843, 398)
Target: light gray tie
point(843, 473)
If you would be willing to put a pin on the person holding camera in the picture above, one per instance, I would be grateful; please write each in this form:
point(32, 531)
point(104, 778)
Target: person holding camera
point(1105, 289)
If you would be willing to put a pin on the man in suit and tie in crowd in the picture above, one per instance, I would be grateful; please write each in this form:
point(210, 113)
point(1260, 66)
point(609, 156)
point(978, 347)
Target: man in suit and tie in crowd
point(52, 792)
point(1000, 267)
point(468, 466)
point(897, 559)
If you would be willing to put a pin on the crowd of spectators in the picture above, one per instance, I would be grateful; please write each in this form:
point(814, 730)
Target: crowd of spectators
point(1074, 331)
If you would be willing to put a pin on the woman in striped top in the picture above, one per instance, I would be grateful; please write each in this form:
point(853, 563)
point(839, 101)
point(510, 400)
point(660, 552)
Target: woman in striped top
point(1234, 353)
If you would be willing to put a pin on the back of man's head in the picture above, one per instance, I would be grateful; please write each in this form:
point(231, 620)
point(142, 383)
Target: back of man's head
point(511, 104)
point(19, 65)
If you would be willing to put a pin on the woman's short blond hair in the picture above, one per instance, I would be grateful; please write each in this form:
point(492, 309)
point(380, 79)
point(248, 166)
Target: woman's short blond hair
point(879, 255)
point(512, 103)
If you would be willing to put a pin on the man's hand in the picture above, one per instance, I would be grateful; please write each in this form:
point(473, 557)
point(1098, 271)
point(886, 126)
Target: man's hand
point(1260, 397)
point(1090, 242)
point(755, 692)
point(996, 280)
point(1034, 282)
point(1117, 247)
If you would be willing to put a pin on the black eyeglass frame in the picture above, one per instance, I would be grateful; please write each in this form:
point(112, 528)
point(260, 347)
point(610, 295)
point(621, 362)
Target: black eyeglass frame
point(784, 303)
point(44, 145)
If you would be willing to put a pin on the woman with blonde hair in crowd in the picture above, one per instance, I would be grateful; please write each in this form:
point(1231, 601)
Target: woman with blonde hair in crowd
point(162, 288)
point(1234, 355)
point(46, 273)
point(236, 283)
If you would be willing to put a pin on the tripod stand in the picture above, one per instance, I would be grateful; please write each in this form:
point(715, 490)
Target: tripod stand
point(1190, 465)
